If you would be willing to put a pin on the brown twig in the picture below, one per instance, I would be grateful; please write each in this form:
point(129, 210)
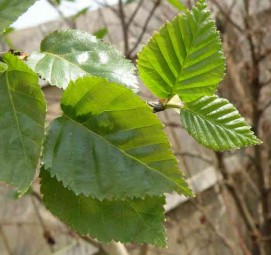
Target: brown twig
point(145, 26)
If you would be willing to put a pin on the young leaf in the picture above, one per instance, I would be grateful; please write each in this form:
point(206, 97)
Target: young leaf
point(69, 54)
point(22, 120)
point(10, 10)
point(109, 144)
point(177, 4)
point(216, 124)
point(127, 220)
point(184, 58)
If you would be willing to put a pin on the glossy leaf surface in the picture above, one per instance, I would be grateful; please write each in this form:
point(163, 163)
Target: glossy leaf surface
point(108, 144)
point(22, 120)
point(128, 220)
point(10, 10)
point(69, 54)
point(184, 58)
point(216, 124)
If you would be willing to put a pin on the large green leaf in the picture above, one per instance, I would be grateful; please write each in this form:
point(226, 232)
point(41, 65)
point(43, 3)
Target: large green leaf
point(69, 54)
point(10, 10)
point(127, 220)
point(216, 123)
point(184, 58)
point(109, 144)
point(22, 120)
point(177, 4)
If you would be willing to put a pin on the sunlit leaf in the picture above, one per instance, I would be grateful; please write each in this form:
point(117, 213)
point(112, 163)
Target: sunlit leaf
point(184, 58)
point(127, 220)
point(69, 54)
point(109, 144)
point(22, 119)
point(216, 124)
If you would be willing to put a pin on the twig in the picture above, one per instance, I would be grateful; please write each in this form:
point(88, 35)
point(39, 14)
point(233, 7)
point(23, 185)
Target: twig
point(228, 17)
point(147, 21)
point(124, 28)
point(67, 21)
point(134, 13)
point(193, 155)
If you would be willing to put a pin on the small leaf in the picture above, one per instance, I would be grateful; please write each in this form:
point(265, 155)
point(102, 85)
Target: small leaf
point(177, 4)
point(128, 220)
point(216, 124)
point(69, 54)
point(184, 58)
point(22, 120)
point(109, 144)
point(101, 33)
point(10, 10)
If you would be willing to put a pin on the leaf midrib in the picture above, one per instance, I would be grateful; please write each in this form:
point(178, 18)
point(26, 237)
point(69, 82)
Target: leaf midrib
point(123, 152)
point(187, 50)
point(205, 118)
point(17, 121)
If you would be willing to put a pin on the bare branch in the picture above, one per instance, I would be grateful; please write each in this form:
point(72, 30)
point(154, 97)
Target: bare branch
point(148, 19)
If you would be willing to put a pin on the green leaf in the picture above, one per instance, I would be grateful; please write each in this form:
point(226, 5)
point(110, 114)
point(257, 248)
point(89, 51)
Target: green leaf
point(177, 4)
point(216, 124)
point(3, 67)
point(109, 144)
point(10, 10)
point(127, 220)
point(184, 58)
point(101, 33)
point(22, 120)
point(69, 54)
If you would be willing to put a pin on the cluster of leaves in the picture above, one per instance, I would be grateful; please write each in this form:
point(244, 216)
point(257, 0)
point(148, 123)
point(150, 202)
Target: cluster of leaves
point(106, 162)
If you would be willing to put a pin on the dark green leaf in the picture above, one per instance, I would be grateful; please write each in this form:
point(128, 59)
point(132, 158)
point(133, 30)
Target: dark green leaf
point(10, 10)
point(70, 54)
point(216, 124)
point(109, 144)
point(128, 220)
point(177, 4)
point(184, 58)
point(22, 120)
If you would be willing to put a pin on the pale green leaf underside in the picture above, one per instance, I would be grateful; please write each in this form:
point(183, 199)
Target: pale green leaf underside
point(216, 124)
point(69, 54)
point(128, 220)
point(10, 10)
point(177, 4)
point(108, 144)
point(184, 58)
point(22, 120)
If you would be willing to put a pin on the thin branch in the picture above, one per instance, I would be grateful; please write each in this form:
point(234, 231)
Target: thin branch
point(134, 13)
point(147, 21)
point(193, 155)
point(70, 23)
point(227, 16)
point(124, 28)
